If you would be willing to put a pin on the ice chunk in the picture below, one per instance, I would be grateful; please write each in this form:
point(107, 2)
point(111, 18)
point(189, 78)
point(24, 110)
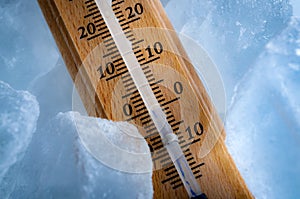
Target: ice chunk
point(19, 112)
point(53, 90)
point(296, 7)
point(164, 2)
point(4, 3)
point(264, 122)
point(57, 165)
point(182, 13)
point(125, 144)
point(27, 48)
point(233, 32)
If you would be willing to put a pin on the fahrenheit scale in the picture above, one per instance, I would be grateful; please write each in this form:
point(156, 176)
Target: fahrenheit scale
point(128, 65)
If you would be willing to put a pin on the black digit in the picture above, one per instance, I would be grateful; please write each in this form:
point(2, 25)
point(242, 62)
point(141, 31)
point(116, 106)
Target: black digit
point(190, 133)
point(109, 69)
point(100, 69)
point(158, 49)
point(149, 52)
point(83, 34)
point(89, 30)
point(131, 14)
point(178, 88)
point(127, 109)
point(198, 130)
point(138, 9)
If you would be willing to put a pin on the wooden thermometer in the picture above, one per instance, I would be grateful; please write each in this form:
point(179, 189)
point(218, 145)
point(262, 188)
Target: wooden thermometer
point(128, 65)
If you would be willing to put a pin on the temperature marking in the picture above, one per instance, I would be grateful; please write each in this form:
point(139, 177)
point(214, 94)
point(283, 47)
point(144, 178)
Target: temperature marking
point(131, 21)
point(78, 27)
point(132, 92)
point(93, 4)
point(89, 1)
point(91, 14)
point(149, 61)
point(117, 3)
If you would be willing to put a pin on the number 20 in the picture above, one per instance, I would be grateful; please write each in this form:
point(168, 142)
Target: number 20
point(90, 29)
point(138, 9)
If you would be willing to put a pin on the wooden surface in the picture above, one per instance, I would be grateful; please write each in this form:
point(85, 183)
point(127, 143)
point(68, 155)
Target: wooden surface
point(87, 47)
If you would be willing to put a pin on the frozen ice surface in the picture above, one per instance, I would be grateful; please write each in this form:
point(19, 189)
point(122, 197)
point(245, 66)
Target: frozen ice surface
point(264, 123)
point(233, 32)
point(118, 145)
point(256, 48)
point(296, 7)
point(57, 165)
point(27, 48)
point(164, 2)
point(263, 120)
point(182, 13)
point(53, 91)
point(19, 111)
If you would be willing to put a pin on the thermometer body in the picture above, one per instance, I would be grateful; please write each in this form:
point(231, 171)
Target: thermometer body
point(109, 89)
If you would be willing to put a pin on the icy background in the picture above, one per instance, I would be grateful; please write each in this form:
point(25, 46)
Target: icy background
point(254, 43)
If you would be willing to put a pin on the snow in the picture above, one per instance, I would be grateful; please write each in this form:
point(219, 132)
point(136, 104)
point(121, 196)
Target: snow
point(119, 140)
point(253, 43)
point(57, 165)
point(26, 51)
point(19, 112)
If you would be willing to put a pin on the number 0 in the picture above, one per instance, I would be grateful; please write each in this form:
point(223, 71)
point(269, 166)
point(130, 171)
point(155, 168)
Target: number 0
point(178, 88)
point(127, 109)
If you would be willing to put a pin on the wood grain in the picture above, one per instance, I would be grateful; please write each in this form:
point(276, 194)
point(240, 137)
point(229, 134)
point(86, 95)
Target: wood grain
point(108, 96)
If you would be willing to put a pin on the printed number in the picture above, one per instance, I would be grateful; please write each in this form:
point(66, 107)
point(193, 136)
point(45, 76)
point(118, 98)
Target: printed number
point(109, 69)
point(127, 109)
point(178, 88)
point(157, 47)
point(90, 29)
point(138, 9)
point(198, 130)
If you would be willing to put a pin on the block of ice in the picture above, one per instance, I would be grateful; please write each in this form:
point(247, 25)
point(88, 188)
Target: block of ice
point(263, 124)
point(233, 32)
point(27, 48)
point(58, 166)
point(121, 140)
point(53, 90)
point(182, 13)
point(19, 112)
point(296, 7)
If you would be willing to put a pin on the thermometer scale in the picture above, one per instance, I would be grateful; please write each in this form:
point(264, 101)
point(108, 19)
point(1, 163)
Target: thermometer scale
point(128, 65)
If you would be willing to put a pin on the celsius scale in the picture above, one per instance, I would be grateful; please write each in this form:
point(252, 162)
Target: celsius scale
point(128, 64)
